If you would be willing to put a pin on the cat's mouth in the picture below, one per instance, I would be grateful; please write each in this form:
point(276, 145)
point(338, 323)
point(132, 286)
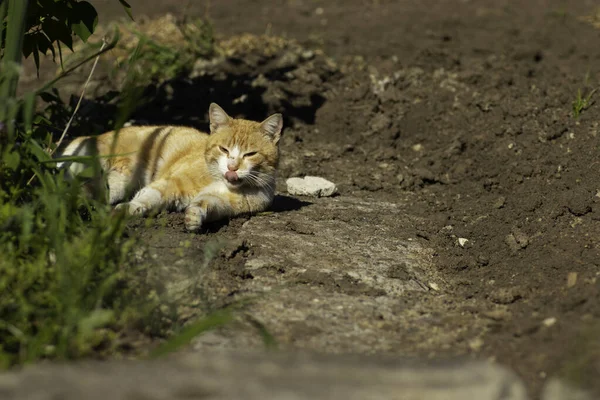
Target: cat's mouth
point(232, 178)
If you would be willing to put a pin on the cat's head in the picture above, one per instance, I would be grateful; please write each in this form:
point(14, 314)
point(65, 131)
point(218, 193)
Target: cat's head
point(243, 153)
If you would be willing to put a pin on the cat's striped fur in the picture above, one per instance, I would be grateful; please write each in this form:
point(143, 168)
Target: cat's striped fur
point(228, 172)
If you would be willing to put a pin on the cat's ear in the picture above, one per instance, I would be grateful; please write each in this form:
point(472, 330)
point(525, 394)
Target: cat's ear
point(218, 117)
point(272, 127)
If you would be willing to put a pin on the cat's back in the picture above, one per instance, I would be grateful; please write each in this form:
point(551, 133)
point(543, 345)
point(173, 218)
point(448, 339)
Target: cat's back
point(152, 146)
point(159, 137)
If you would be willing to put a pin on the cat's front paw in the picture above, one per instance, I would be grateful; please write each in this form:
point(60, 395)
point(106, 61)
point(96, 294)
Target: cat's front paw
point(194, 216)
point(132, 208)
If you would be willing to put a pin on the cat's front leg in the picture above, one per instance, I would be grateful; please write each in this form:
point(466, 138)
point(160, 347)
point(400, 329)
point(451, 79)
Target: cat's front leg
point(117, 186)
point(195, 215)
point(148, 198)
point(206, 208)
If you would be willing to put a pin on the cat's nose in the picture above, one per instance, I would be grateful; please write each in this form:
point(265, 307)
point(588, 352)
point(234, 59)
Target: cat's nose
point(232, 167)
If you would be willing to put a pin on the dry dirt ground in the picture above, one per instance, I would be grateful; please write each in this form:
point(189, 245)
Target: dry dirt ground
point(439, 121)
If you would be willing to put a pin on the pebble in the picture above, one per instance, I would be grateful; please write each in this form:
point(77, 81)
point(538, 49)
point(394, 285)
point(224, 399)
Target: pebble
point(498, 315)
point(505, 295)
point(476, 344)
point(517, 240)
point(500, 202)
point(571, 279)
point(311, 186)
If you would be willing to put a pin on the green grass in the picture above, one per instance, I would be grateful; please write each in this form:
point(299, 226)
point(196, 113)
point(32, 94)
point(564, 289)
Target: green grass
point(66, 278)
point(582, 103)
point(61, 280)
point(192, 330)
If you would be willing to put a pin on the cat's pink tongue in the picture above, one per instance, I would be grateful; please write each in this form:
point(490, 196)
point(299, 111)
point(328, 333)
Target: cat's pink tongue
point(231, 176)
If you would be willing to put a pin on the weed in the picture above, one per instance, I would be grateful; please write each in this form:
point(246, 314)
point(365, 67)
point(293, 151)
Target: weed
point(163, 48)
point(64, 289)
point(582, 103)
point(189, 332)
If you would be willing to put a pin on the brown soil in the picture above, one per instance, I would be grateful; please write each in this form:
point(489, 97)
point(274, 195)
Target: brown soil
point(442, 120)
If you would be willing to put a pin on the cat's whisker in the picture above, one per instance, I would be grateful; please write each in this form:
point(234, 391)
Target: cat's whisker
point(257, 177)
point(255, 181)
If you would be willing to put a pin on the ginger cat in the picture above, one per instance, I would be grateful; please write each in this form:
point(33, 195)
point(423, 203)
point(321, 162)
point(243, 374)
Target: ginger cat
point(227, 173)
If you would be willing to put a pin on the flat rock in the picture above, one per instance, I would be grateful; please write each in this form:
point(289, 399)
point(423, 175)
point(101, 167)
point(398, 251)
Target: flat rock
point(282, 376)
point(310, 186)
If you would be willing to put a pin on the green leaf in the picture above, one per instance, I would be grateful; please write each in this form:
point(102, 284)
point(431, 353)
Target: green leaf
point(96, 319)
point(87, 173)
point(43, 44)
point(41, 120)
point(38, 152)
point(49, 97)
point(35, 43)
point(28, 45)
point(127, 8)
point(84, 19)
point(58, 31)
point(36, 58)
point(29, 111)
point(11, 160)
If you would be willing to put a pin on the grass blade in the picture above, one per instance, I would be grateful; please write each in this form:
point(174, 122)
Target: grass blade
point(189, 332)
point(14, 42)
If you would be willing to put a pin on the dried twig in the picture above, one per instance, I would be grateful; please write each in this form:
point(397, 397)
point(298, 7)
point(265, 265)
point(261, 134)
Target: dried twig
point(87, 82)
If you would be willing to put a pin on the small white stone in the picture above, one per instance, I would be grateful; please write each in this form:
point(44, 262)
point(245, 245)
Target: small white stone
point(549, 321)
point(310, 186)
point(462, 241)
point(257, 263)
point(476, 344)
point(434, 286)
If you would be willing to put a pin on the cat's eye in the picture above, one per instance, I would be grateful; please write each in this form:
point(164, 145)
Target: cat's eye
point(224, 150)
point(250, 154)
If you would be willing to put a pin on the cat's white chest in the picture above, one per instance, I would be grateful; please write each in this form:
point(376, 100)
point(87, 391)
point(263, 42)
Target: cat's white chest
point(215, 188)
